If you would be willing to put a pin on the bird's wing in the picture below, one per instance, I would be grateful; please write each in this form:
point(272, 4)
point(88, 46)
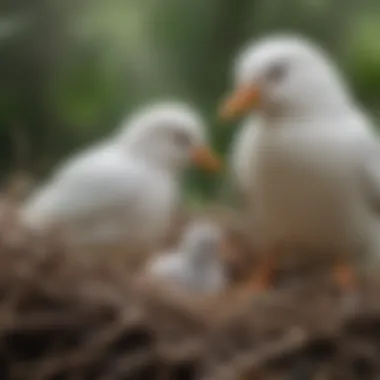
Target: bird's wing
point(93, 184)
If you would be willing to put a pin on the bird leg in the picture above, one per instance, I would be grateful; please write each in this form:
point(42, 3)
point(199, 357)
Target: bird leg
point(345, 276)
point(261, 279)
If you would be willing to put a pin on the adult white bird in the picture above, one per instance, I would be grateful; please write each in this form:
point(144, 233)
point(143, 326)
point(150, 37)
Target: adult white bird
point(241, 155)
point(195, 265)
point(127, 186)
point(317, 176)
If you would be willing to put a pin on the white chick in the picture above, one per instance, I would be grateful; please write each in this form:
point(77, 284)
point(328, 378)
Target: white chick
point(317, 176)
point(196, 265)
point(127, 186)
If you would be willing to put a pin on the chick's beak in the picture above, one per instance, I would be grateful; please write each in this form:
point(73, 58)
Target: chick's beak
point(240, 102)
point(205, 158)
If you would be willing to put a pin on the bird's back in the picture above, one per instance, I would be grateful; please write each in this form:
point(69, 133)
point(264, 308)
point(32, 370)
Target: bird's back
point(90, 182)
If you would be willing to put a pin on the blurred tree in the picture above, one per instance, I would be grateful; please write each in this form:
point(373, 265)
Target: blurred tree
point(28, 57)
point(70, 71)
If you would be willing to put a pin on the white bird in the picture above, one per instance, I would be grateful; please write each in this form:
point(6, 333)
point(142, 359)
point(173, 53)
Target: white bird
point(317, 169)
point(127, 186)
point(196, 264)
point(242, 153)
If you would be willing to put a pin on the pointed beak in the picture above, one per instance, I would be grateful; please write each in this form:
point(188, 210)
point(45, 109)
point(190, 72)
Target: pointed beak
point(206, 159)
point(239, 103)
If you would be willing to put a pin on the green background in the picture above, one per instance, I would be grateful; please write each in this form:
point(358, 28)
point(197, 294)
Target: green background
point(71, 70)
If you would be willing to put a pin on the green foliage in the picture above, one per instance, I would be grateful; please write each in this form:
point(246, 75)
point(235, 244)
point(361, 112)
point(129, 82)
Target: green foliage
point(364, 58)
point(71, 70)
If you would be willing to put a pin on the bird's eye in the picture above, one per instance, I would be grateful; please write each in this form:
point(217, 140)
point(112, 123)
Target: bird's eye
point(277, 72)
point(181, 138)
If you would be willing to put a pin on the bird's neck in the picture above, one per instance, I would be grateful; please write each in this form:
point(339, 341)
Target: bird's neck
point(325, 109)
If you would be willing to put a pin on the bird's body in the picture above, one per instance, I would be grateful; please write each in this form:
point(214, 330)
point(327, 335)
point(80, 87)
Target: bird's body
point(125, 189)
point(173, 268)
point(316, 184)
point(308, 191)
point(195, 265)
point(102, 192)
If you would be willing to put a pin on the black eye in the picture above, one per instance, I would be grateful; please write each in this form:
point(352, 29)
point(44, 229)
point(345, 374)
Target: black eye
point(277, 72)
point(181, 138)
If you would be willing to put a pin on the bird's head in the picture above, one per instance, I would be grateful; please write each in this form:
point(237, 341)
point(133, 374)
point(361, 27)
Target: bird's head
point(284, 75)
point(171, 136)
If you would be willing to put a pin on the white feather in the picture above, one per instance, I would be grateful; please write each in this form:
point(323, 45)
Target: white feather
point(312, 153)
point(195, 265)
point(126, 187)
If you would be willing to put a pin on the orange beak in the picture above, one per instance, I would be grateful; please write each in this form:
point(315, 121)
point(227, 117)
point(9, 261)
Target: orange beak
point(205, 158)
point(240, 102)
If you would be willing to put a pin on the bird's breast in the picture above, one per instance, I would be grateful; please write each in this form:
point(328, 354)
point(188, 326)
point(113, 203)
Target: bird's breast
point(304, 189)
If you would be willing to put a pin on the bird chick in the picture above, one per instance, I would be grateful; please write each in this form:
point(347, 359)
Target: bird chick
point(195, 265)
point(316, 183)
point(128, 186)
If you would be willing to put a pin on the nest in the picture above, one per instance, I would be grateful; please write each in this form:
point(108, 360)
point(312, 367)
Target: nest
point(65, 318)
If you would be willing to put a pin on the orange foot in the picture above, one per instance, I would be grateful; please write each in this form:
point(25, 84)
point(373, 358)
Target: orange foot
point(262, 278)
point(345, 277)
